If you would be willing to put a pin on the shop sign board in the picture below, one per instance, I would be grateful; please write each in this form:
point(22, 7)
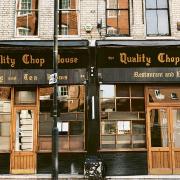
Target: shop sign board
point(42, 58)
point(138, 56)
point(41, 76)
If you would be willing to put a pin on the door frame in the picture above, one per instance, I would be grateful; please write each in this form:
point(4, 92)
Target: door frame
point(171, 148)
point(23, 157)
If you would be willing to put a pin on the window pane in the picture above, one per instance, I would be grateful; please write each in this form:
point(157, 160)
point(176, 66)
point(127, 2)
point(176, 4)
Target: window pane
point(45, 124)
point(151, 21)
point(123, 23)
point(108, 128)
point(76, 128)
point(108, 141)
point(159, 128)
point(27, 18)
point(122, 90)
point(137, 91)
point(108, 105)
point(25, 97)
point(76, 142)
point(123, 4)
point(137, 104)
point(123, 104)
point(163, 24)
point(151, 3)
point(112, 4)
point(176, 127)
point(107, 91)
point(124, 141)
point(162, 4)
point(139, 141)
point(5, 93)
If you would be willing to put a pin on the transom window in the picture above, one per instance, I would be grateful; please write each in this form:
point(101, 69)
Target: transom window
point(27, 17)
point(157, 18)
point(117, 12)
point(69, 17)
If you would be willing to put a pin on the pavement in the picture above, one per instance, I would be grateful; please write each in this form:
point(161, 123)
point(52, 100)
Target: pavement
point(80, 177)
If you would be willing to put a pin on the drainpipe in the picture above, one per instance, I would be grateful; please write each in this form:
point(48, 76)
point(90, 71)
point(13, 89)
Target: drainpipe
point(55, 133)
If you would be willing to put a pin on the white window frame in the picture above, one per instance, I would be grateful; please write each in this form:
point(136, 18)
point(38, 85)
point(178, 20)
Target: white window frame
point(77, 9)
point(20, 10)
point(17, 14)
point(22, 28)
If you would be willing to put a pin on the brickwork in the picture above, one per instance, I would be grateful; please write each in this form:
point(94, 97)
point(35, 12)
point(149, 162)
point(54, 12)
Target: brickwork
point(91, 12)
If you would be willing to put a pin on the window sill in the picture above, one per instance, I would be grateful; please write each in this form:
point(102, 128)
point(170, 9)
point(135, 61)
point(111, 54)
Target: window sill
point(119, 38)
point(62, 37)
point(27, 38)
point(160, 37)
point(122, 150)
point(68, 151)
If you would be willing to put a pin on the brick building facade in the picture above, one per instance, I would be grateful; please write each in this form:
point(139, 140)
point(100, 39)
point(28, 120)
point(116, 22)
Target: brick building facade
point(118, 86)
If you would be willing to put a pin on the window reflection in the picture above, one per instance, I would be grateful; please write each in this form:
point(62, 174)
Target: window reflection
point(68, 17)
point(117, 17)
point(107, 91)
point(176, 127)
point(159, 128)
point(27, 17)
point(71, 122)
point(122, 116)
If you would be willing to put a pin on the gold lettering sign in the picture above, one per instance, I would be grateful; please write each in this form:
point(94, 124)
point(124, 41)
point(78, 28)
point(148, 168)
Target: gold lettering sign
point(28, 77)
point(29, 59)
point(67, 60)
point(138, 59)
point(6, 59)
point(165, 58)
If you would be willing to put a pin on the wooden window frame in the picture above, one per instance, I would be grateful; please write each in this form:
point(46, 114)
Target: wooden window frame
point(139, 117)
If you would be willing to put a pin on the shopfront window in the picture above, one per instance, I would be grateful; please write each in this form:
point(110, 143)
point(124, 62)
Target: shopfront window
point(71, 121)
point(5, 118)
point(157, 18)
point(122, 117)
point(117, 13)
point(26, 18)
point(69, 17)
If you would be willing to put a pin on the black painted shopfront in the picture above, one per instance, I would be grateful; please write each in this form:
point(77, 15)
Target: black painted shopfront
point(118, 103)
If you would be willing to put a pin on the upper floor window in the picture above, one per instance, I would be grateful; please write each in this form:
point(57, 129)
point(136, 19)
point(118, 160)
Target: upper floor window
point(69, 17)
point(117, 13)
point(26, 17)
point(157, 18)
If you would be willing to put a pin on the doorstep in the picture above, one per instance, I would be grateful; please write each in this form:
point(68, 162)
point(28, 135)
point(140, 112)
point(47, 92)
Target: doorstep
point(77, 177)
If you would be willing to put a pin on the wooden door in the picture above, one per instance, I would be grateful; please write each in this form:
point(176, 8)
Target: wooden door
point(24, 132)
point(159, 141)
point(175, 136)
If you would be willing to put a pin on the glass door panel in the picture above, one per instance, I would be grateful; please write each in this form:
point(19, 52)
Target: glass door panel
point(24, 130)
point(23, 156)
point(159, 128)
point(175, 114)
point(159, 151)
